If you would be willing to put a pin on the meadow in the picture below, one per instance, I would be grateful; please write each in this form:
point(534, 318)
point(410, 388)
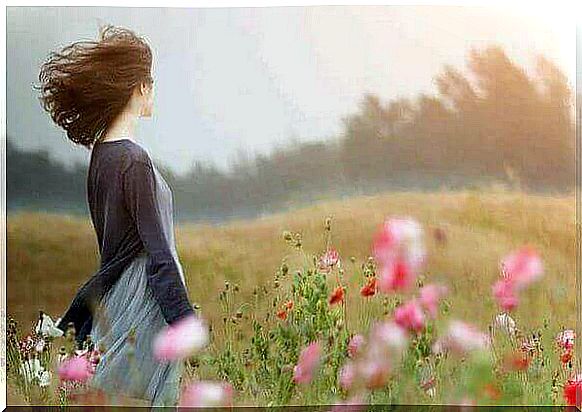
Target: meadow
point(242, 272)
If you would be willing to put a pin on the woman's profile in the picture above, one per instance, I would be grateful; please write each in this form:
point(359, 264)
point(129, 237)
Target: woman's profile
point(97, 91)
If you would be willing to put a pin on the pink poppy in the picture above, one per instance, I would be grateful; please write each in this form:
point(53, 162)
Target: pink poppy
point(308, 362)
point(523, 267)
point(354, 404)
point(347, 375)
point(329, 260)
point(399, 251)
point(181, 339)
point(565, 339)
point(410, 316)
point(76, 368)
point(374, 372)
point(206, 394)
point(389, 336)
point(430, 296)
point(505, 294)
point(355, 345)
point(462, 338)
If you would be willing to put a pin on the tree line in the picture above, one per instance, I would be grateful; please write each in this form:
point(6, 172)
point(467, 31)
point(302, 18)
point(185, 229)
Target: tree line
point(492, 122)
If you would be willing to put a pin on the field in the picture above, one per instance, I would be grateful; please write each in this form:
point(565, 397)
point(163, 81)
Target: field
point(49, 256)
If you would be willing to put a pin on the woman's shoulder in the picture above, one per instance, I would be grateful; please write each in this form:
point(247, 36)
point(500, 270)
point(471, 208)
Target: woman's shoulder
point(135, 154)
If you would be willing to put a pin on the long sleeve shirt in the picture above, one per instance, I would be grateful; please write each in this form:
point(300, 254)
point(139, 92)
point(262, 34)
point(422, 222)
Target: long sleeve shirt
point(121, 192)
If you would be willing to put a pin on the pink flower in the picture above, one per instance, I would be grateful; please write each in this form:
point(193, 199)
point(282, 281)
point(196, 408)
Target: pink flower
point(505, 294)
point(565, 339)
point(206, 394)
point(430, 296)
point(329, 260)
point(399, 251)
point(181, 339)
point(410, 316)
point(374, 372)
point(523, 267)
point(462, 338)
point(355, 345)
point(347, 375)
point(354, 404)
point(77, 368)
point(308, 361)
point(388, 336)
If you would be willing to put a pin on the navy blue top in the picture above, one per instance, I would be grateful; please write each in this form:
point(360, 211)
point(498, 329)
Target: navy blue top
point(121, 192)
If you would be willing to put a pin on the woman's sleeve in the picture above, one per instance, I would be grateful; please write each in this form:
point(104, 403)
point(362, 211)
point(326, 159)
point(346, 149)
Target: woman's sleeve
point(139, 187)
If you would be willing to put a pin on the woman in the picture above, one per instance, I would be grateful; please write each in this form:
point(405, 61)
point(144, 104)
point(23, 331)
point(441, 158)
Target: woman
point(96, 91)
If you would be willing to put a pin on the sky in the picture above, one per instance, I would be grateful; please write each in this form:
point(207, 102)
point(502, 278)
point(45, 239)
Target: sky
point(247, 80)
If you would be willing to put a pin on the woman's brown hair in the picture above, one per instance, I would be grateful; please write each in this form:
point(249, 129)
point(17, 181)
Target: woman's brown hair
point(86, 85)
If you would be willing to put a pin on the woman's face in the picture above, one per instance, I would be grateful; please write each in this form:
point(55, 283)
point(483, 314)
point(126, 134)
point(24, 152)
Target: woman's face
point(147, 96)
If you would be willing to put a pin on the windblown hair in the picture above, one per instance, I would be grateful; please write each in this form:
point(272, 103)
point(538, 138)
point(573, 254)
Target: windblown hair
point(86, 85)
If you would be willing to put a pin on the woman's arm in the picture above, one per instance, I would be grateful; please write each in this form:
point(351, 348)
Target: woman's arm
point(140, 187)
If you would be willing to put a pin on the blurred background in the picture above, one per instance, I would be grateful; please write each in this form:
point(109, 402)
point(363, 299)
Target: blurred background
point(264, 109)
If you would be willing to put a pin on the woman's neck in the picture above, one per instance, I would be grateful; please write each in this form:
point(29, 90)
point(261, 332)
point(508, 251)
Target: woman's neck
point(122, 128)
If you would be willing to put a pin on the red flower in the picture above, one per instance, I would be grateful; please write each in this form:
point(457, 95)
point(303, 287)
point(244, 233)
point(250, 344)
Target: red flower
point(289, 305)
point(492, 391)
point(566, 357)
point(337, 296)
point(517, 362)
point(369, 289)
point(282, 314)
point(573, 391)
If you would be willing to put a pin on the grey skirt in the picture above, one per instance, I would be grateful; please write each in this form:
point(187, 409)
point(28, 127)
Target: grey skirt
point(126, 324)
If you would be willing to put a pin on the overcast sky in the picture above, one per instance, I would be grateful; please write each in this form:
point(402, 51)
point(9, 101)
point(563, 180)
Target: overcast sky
point(248, 79)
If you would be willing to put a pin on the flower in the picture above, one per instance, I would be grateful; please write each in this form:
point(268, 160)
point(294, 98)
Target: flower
point(329, 260)
point(566, 357)
point(410, 316)
point(516, 361)
point(565, 339)
point(506, 323)
point(523, 267)
point(31, 370)
point(355, 345)
point(369, 289)
point(40, 345)
point(181, 339)
point(77, 368)
point(46, 327)
point(505, 294)
point(430, 296)
point(308, 361)
point(347, 375)
point(389, 336)
point(462, 338)
point(374, 372)
point(399, 251)
point(206, 394)
point(27, 344)
point(573, 391)
point(337, 296)
point(44, 379)
point(282, 314)
point(289, 305)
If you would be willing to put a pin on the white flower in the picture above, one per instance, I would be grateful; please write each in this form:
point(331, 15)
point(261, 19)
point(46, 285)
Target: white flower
point(506, 323)
point(39, 347)
point(46, 327)
point(44, 379)
point(31, 369)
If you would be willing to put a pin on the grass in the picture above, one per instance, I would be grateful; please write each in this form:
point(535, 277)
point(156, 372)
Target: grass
point(50, 256)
